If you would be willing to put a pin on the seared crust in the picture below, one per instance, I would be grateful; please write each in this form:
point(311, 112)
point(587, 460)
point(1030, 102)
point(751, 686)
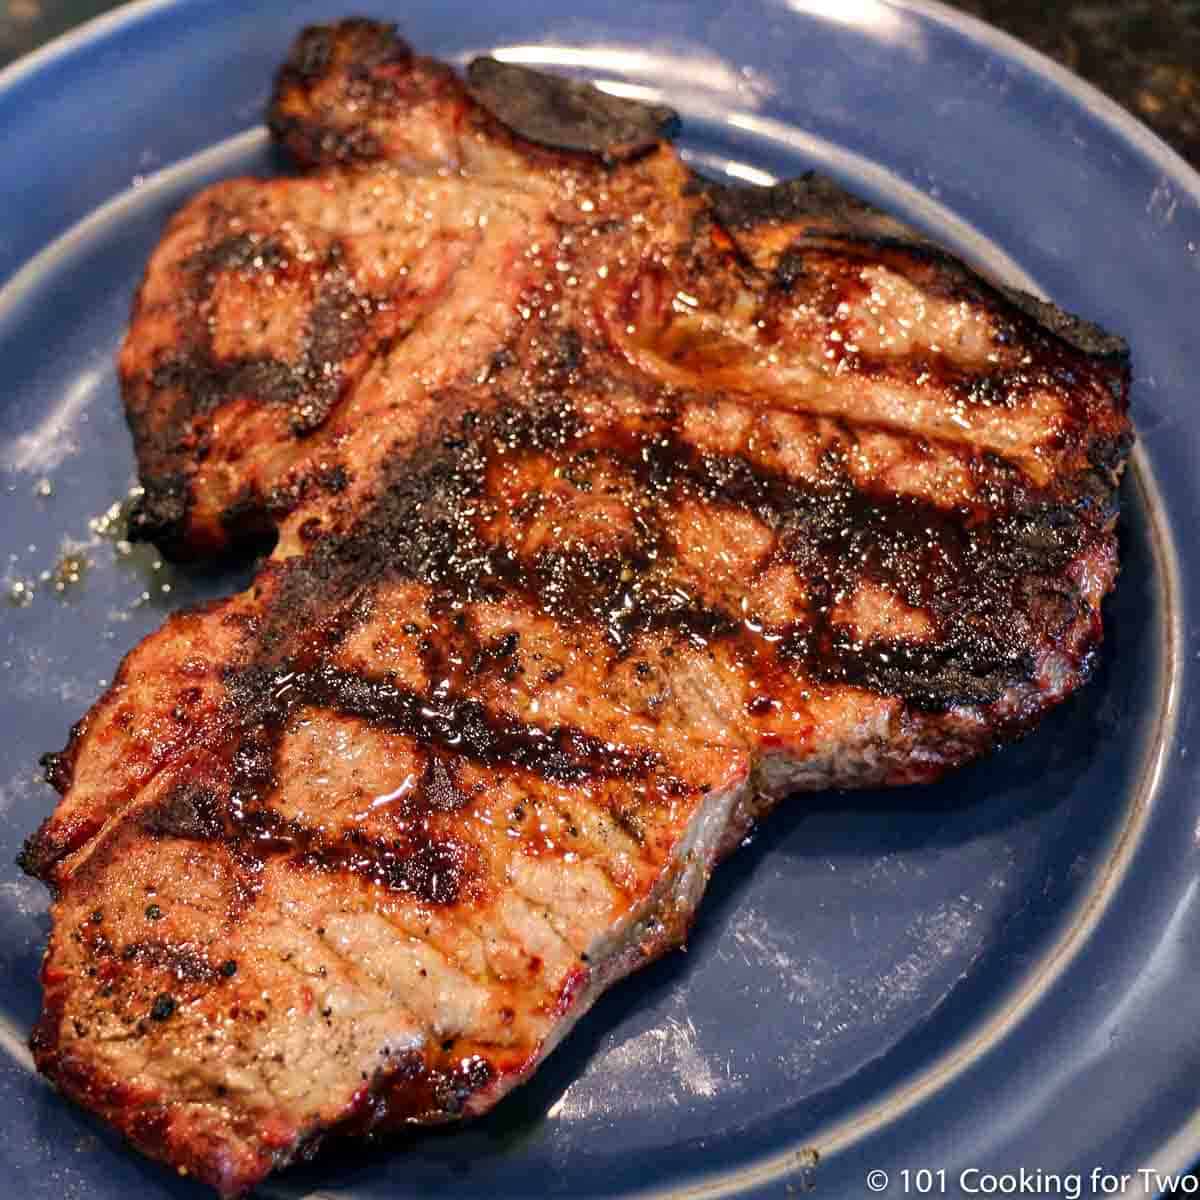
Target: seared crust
point(610, 508)
point(561, 114)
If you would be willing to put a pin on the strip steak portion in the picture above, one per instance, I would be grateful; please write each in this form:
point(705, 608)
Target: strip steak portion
point(610, 507)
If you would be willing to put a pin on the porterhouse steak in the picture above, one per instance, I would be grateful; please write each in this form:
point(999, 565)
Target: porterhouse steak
point(611, 506)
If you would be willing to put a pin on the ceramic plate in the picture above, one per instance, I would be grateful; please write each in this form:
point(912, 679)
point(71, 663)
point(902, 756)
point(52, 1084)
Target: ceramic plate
point(992, 974)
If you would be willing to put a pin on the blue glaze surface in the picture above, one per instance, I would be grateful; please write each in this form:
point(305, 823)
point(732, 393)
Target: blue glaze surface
point(993, 973)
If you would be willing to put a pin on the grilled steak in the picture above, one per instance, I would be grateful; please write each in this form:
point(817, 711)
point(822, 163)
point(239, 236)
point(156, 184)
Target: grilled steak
point(611, 506)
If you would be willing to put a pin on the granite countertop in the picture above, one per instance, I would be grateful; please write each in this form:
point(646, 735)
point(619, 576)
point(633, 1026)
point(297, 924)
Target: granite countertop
point(1144, 53)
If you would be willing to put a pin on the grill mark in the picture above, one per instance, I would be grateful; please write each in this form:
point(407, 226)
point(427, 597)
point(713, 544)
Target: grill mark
point(337, 323)
point(232, 805)
point(235, 252)
point(999, 481)
point(455, 725)
point(337, 326)
point(969, 569)
point(975, 573)
point(824, 265)
point(204, 382)
point(189, 810)
point(420, 525)
point(199, 381)
point(423, 527)
point(435, 870)
point(973, 568)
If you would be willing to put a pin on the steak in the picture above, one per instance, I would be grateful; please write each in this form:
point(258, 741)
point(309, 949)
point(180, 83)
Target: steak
point(608, 507)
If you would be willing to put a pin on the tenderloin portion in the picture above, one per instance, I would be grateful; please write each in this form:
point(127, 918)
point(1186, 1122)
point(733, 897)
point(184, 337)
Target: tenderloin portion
point(610, 507)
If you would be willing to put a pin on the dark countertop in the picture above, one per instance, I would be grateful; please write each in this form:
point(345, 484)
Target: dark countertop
point(1144, 53)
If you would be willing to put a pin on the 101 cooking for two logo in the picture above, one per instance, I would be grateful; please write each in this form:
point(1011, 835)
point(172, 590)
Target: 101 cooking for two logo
point(1072, 1185)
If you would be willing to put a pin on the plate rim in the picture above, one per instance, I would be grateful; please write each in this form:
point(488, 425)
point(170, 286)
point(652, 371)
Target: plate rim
point(1182, 1148)
point(1055, 960)
point(1004, 44)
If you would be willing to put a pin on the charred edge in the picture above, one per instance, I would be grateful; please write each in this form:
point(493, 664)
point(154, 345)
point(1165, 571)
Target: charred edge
point(38, 854)
point(53, 841)
point(28, 859)
point(1033, 318)
point(1084, 336)
point(565, 114)
point(45, 1035)
point(58, 766)
point(319, 54)
point(356, 42)
point(409, 1090)
point(815, 196)
point(198, 384)
point(248, 521)
point(809, 195)
point(160, 515)
point(1108, 455)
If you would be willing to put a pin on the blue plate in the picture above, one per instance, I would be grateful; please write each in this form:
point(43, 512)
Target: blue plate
point(992, 974)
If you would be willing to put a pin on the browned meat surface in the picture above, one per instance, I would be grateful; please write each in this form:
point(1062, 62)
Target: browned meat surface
point(611, 508)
